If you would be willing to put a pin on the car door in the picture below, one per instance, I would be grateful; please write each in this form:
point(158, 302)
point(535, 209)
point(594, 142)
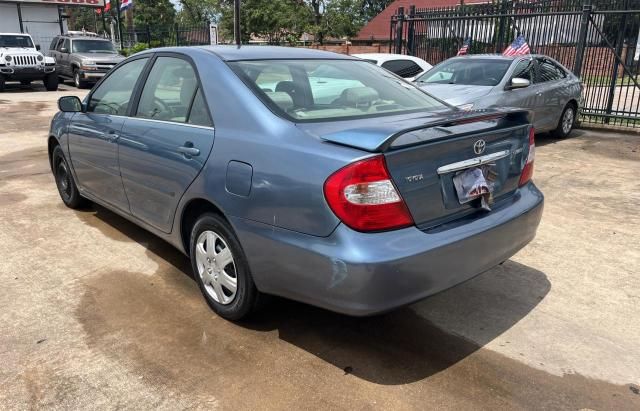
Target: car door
point(550, 79)
point(527, 97)
point(93, 134)
point(64, 48)
point(165, 144)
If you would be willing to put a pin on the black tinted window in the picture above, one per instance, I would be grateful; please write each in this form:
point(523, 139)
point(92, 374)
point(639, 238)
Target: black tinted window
point(199, 115)
point(547, 71)
point(114, 93)
point(9, 40)
point(52, 46)
point(525, 69)
point(403, 68)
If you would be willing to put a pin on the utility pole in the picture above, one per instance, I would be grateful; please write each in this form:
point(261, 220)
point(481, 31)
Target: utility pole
point(236, 22)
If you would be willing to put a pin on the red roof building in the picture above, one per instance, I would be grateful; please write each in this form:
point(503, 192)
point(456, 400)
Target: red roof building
point(378, 28)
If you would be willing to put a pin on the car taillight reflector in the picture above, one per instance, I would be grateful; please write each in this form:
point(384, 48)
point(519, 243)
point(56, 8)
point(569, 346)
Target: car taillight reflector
point(527, 170)
point(363, 197)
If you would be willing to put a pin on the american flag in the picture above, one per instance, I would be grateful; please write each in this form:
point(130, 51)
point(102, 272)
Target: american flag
point(465, 47)
point(519, 47)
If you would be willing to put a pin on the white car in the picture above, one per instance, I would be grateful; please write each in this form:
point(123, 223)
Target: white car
point(407, 67)
point(21, 61)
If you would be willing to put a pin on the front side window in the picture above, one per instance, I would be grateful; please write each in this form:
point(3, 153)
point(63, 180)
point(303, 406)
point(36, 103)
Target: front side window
point(113, 95)
point(317, 90)
point(93, 46)
point(403, 68)
point(470, 72)
point(15, 40)
point(65, 46)
point(524, 69)
point(549, 71)
point(169, 90)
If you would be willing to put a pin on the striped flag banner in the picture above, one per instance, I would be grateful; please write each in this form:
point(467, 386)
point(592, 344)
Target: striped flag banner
point(519, 47)
point(465, 47)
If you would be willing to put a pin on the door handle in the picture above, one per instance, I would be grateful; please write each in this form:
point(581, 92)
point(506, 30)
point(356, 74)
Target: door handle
point(188, 150)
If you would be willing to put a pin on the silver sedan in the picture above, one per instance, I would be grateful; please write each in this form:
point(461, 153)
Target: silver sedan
point(535, 82)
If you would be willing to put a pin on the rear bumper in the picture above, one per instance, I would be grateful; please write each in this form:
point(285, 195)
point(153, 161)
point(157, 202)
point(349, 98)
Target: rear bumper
point(362, 274)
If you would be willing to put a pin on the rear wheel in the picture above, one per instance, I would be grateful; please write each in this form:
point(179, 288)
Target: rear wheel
point(566, 123)
point(51, 82)
point(64, 180)
point(221, 269)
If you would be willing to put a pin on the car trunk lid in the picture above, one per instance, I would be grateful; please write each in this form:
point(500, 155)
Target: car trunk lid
point(424, 154)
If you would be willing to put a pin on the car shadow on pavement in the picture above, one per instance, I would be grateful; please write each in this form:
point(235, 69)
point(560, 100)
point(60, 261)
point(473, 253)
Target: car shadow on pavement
point(400, 347)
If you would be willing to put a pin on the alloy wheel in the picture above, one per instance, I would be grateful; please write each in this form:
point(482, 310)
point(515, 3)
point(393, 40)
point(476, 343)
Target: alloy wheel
point(567, 120)
point(216, 267)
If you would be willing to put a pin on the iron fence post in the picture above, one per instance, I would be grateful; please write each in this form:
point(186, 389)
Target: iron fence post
point(618, 52)
point(410, 31)
point(148, 36)
point(399, 31)
point(582, 37)
point(177, 34)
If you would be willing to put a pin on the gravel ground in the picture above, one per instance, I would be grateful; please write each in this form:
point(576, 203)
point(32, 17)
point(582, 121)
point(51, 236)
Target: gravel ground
point(97, 313)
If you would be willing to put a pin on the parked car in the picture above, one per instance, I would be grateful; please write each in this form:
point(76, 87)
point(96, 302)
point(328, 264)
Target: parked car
point(85, 58)
point(21, 60)
point(407, 67)
point(348, 204)
point(534, 82)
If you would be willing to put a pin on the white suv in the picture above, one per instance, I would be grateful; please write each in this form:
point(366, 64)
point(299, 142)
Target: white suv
point(21, 61)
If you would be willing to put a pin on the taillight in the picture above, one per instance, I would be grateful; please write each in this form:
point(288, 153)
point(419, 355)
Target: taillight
point(527, 170)
point(363, 197)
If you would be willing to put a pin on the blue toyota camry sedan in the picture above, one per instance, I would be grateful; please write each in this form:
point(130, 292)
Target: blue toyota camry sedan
point(300, 173)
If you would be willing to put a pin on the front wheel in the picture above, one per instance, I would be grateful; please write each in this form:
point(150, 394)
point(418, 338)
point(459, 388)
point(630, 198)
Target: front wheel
point(221, 269)
point(77, 80)
point(64, 180)
point(51, 82)
point(566, 123)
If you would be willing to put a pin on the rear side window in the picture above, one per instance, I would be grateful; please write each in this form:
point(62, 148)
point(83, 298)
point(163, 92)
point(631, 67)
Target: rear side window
point(199, 114)
point(403, 68)
point(169, 90)
point(52, 46)
point(548, 71)
point(114, 93)
point(524, 69)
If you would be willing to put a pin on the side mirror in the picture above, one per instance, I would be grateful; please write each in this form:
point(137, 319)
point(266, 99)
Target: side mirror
point(518, 82)
point(70, 104)
point(64, 50)
point(38, 47)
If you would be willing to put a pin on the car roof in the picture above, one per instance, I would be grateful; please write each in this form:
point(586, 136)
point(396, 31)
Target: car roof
point(386, 56)
point(235, 53)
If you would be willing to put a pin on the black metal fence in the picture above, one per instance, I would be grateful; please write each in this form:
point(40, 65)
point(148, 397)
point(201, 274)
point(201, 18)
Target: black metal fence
point(597, 39)
point(159, 36)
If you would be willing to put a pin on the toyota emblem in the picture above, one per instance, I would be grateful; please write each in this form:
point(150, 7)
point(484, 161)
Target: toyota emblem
point(479, 146)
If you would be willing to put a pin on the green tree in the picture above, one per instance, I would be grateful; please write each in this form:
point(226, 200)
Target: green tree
point(154, 13)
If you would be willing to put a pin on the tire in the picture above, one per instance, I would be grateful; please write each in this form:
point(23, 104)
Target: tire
point(25, 82)
point(51, 82)
point(2, 80)
point(64, 180)
point(77, 81)
point(216, 270)
point(566, 122)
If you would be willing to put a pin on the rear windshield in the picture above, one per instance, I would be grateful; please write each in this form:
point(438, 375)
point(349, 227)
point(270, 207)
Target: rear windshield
point(15, 41)
point(471, 72)
point(93, 46)
point(317, 90)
